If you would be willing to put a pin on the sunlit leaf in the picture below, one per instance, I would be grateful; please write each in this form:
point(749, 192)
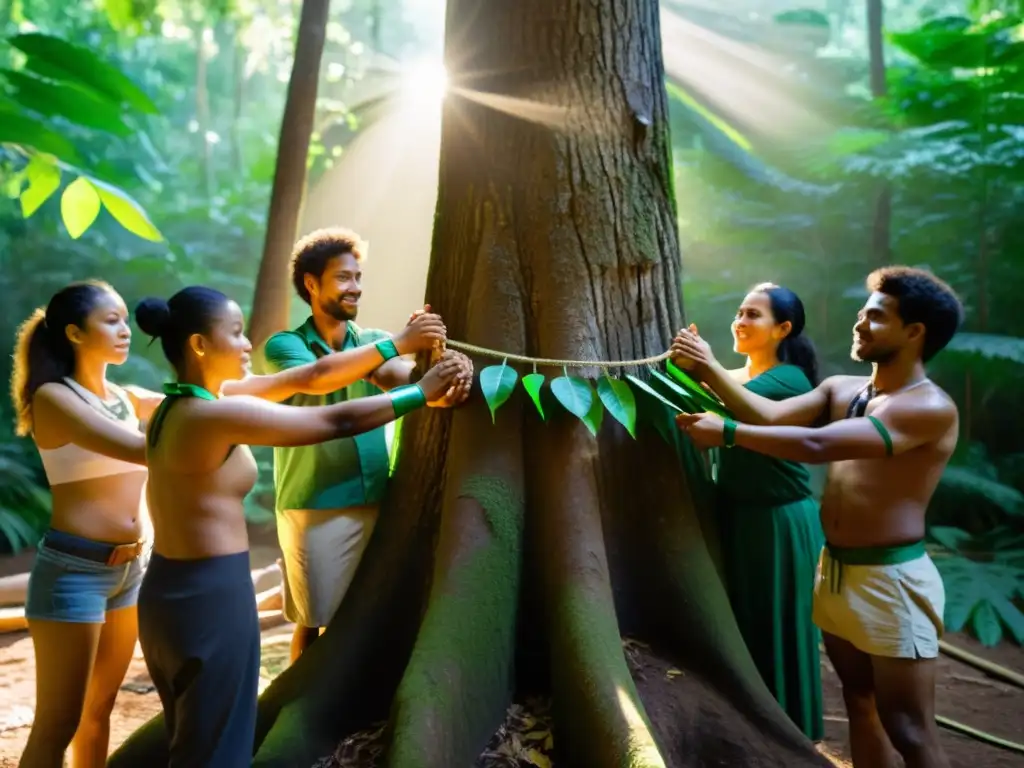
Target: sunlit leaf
point(43, 180)
point(128, 213)
point(619, 400)
point(79, 206)
point(574, 394)
point(532, 383)
point(57, 58)
point(497, 383)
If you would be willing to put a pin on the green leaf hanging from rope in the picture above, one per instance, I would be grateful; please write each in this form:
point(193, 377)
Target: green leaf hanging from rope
point(655, 410)
point(647, 390)
point(704, 398)
point(532, 383)
point(594, 417)
point(619, 400)
point(574, 394)
point(497, 383)
point(672, 391)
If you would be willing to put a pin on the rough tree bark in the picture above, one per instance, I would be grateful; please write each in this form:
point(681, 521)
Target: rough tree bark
point(273, 289)
point(515, 556)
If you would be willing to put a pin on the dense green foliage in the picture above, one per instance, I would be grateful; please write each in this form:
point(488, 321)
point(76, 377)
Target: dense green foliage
point(137, 143)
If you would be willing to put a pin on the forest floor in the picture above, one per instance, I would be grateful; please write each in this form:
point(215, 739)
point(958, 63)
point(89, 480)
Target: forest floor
point(964, 694)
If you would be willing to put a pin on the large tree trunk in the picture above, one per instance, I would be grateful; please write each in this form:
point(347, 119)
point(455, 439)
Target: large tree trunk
point(273, 288)
point(516, 555)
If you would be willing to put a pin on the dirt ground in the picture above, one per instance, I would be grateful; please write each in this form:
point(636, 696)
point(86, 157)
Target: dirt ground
point(964, 694)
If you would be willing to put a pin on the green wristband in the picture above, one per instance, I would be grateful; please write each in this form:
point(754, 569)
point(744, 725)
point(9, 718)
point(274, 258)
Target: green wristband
point(728, 433)
point(387, 349)
point(406, 399)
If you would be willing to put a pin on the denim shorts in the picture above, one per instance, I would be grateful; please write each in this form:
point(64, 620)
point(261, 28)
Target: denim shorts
point(64, 587)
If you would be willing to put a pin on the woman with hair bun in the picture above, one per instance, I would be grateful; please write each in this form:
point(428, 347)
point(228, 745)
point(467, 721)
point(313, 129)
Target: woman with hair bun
point(82, 591)
point(198, 622)
point(770, 527)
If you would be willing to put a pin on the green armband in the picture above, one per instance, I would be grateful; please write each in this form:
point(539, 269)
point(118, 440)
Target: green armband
point(406, 399)
point(387, 349)
point(728, 433)
point(886, 438)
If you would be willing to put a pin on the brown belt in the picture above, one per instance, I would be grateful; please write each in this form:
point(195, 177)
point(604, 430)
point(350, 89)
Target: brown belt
point(109, 554)
point(125, 553)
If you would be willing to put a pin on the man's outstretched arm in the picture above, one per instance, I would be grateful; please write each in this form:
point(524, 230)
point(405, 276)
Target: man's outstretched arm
point(692, 352)
point(895, 429)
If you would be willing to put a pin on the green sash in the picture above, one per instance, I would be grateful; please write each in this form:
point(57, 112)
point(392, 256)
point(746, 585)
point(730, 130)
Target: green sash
point(841, 556)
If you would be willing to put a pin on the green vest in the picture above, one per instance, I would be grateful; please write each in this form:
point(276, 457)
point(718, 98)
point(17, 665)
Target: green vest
point(336, 474)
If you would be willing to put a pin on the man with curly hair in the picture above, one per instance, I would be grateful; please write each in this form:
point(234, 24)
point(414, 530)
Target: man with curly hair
point(326, 495)
point(887, 438)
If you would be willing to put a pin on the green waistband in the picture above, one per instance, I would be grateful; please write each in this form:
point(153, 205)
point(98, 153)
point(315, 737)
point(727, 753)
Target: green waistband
point(901, 553)
point(843, 556)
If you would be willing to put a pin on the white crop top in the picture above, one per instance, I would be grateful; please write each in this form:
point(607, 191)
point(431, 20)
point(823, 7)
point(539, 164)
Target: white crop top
point(71, 463)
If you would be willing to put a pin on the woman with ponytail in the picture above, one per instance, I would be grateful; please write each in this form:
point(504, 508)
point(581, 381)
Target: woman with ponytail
point(770, 528)
point(85, 579)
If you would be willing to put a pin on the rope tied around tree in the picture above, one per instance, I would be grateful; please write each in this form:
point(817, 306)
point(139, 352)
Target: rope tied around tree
point(552, 363)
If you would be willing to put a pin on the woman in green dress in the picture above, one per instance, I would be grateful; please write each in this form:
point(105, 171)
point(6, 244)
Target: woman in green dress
point(770, 526)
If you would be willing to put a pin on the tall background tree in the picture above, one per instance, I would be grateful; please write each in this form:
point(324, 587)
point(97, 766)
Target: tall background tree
point(273, 290)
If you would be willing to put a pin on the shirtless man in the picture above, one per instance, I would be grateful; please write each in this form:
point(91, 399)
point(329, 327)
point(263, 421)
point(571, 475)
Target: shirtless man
point(878, 598)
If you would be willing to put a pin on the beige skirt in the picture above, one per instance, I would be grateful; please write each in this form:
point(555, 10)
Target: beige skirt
point(882, 610)
point(321, 550)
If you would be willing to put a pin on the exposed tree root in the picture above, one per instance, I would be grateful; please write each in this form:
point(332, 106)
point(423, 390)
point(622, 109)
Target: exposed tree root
point(599, 718)
point(692, 619)
point(460, 681)
point(347, 678)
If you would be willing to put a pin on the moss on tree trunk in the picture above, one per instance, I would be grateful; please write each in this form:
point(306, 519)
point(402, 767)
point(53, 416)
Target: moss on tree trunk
point(555, 236)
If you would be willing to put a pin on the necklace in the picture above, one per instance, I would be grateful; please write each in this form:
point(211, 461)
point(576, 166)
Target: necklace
point(859, 404)
point(118, 410)
point(904, 388)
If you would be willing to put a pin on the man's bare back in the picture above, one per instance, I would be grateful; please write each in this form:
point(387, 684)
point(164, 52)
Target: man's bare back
point(882, 502)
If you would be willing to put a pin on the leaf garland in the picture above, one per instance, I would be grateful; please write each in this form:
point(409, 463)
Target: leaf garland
point(590, 401)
